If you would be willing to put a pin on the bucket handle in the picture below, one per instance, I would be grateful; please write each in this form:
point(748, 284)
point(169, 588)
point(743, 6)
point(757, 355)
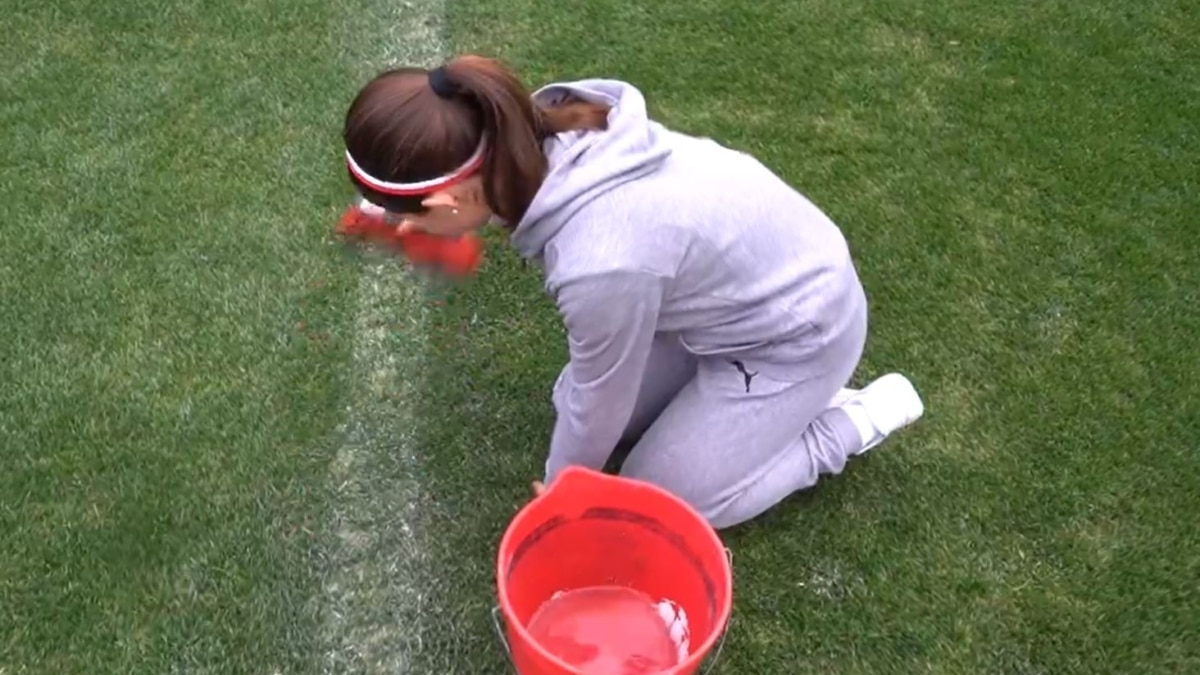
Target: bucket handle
point(712, 660)
point(500, 631)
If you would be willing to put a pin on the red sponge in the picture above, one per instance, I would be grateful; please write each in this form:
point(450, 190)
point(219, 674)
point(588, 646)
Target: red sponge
point(456, 257)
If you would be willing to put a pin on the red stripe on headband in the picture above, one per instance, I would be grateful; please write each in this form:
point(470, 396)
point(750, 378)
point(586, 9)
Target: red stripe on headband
point(421, 187)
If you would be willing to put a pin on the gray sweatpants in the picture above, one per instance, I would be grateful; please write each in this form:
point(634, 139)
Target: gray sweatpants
point(734, 447)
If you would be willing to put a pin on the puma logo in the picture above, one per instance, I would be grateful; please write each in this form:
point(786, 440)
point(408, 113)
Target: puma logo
point(745, 373)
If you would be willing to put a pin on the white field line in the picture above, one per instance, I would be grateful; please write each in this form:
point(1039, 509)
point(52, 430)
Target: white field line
point(379, 566)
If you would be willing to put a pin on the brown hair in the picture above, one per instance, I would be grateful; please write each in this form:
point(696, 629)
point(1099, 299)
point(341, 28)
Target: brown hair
point(398, 129)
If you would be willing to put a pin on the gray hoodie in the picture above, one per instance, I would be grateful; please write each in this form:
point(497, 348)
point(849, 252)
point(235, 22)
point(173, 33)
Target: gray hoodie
point(641, 230)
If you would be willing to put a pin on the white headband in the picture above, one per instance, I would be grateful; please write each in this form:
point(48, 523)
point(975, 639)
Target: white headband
point(420, 187)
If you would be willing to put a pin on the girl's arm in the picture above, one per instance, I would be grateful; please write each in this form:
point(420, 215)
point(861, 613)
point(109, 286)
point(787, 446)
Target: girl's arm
point(611, 320)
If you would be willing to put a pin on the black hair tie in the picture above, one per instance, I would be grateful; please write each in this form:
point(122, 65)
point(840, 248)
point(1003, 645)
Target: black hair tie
point(441, 84)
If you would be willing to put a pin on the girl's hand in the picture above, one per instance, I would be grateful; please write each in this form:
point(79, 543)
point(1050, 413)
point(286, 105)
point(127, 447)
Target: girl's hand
point(538, 488)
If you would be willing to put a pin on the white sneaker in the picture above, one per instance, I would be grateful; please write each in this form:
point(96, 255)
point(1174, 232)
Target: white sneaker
point(882, 408)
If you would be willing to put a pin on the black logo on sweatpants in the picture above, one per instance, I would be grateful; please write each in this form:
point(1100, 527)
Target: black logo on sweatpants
point(745, 373)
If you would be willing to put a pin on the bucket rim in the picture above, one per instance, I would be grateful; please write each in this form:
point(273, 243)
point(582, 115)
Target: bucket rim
point(571, 473)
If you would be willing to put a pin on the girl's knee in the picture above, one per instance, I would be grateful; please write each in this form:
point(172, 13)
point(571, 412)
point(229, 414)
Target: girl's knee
point(720, 511)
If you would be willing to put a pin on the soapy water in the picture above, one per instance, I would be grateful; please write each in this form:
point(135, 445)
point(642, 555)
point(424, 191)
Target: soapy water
point(612, 630)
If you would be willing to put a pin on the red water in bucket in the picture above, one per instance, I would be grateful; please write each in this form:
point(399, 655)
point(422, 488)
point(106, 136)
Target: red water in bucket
point(603, 575)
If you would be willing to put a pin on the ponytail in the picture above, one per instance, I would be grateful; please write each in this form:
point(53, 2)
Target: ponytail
point(515, 128)
point(573, 114)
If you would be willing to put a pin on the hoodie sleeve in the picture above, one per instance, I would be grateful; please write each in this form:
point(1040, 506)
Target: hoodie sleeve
point(610, 320)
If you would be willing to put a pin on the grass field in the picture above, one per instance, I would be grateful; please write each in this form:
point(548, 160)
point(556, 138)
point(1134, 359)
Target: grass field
point(229, 446)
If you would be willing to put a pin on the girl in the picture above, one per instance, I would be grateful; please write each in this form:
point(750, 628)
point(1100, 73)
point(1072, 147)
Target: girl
point(713, 313)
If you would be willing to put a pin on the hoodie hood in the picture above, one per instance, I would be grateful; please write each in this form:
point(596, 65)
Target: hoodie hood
point(586, 164)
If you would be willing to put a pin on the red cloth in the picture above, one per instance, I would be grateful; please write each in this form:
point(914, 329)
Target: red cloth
point(457, 257)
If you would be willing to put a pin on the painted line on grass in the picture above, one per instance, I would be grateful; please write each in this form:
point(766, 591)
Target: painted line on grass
point(379, 568)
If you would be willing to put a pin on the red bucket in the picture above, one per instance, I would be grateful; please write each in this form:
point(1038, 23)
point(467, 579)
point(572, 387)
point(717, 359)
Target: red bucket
point(591, 535)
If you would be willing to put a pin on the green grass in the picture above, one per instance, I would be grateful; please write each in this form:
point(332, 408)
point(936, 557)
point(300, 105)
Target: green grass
point(1019, 188)
point(169, 352)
